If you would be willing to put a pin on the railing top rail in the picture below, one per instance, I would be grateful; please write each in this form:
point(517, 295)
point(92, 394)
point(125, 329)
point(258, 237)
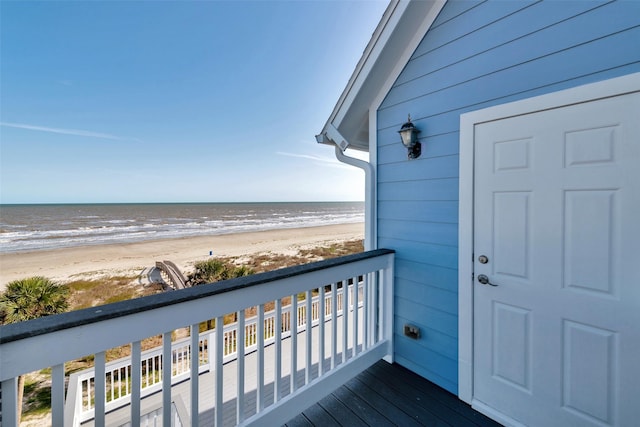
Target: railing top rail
point(58, 322)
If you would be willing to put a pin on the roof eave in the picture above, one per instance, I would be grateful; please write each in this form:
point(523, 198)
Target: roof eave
point(398, 33)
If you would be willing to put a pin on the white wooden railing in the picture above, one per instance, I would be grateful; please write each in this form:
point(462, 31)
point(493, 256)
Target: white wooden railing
point(118, 372)
point(300, 365)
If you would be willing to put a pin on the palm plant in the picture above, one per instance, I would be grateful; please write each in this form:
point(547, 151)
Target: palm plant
point(28, 299)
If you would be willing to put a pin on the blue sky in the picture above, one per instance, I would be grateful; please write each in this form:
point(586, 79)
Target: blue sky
point(175, 101)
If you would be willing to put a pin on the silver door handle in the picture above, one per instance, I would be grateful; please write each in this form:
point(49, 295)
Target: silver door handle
point(482, 278)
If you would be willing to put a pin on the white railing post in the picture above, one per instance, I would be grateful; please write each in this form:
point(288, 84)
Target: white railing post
point(167, 368)
point(386, 305)
point(10, 401)
point(57, 395)
point(308, 321)
point(219, 373)
point(260, 359)
point(277, 350)
point(294, 342)
point(322, 307)
point(195, 373)
point(136, 381)
point(240, 353)
point(334, 324)
point(345, 319)
point(99, 389)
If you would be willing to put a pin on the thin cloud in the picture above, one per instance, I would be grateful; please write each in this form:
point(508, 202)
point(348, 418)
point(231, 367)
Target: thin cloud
point(328, 161)
point(75, 132)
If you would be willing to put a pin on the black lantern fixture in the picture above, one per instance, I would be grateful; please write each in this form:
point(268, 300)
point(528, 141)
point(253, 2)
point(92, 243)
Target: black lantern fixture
point(409, 135)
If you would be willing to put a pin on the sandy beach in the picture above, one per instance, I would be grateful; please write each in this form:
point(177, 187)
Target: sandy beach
point(132, 258)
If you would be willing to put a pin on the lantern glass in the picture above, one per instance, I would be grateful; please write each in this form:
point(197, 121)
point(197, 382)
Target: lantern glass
point(408, 137)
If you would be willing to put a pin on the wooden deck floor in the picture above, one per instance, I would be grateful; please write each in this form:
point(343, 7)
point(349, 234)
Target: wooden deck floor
point(386, 395)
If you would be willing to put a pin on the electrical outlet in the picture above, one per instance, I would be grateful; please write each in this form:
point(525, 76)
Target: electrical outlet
point(412, 331)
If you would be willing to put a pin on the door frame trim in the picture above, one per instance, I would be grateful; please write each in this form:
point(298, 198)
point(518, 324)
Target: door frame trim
point(577, 95)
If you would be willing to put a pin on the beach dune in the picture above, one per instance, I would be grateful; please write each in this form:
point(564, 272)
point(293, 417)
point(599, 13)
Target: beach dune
point(85, 262)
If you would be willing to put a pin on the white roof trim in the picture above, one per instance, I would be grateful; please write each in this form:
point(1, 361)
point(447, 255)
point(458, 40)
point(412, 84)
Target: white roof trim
point(402, 27)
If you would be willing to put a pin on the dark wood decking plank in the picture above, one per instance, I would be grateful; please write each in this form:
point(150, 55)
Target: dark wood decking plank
point(433, 398)
point(361, 408)
point(448, 399)
point(341, 412)
point(319, 417)
point(392, 412)
point(299, 421)
point(412, 404)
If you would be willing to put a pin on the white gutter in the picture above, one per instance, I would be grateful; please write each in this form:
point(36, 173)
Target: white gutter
point(332, 135)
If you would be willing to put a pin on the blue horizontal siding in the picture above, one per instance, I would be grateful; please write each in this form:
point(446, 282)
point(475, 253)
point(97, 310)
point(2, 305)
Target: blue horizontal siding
point(443, 344)
point(449, 383)
point(469, 22)
point(437, 167)
point(429, 253)
point(446, 323)
point(444, 189)
point(430, 232)
point(430, 275)
point(418, 210)
point(505, 31)
point(476, 55)
point(455, 9)
point(429, 296)
point(464, 90)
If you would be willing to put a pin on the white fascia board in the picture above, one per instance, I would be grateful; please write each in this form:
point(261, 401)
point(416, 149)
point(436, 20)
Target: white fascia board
point(360, 66)
point(430, 12)
point(396, 37)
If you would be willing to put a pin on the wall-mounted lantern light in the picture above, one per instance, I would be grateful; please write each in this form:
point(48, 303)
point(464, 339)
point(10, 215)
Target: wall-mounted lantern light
point(409, 135)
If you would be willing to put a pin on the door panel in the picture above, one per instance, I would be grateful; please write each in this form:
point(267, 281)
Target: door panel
point(557, 214)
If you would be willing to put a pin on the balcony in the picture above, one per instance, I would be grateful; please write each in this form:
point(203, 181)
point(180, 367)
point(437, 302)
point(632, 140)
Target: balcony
point(325, 323)
point(313, 343)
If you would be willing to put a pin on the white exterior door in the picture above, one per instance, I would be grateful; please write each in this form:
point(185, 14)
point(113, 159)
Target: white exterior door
point(557, 215)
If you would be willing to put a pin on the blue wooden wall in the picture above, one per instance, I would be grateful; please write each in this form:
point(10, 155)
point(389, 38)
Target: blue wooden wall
point(477, 54)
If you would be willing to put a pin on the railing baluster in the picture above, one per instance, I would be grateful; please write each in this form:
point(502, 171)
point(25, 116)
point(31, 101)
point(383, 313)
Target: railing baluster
point(294, 343)
point(356, 291)
point(322, 308)
point(365, 312)
point(99, 389)
point(57, 395)
point(277, 350)
point(345, 319)
point(166, 379)
point(10, 401)
point(195, 373)
point(136, 382)
point(218, 370)
point(260, 359)
point(240, 344)
point(334, 324)
point(308, 354)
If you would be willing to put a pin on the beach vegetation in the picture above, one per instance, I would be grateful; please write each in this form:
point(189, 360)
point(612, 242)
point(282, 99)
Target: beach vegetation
point(28, 299)
point(215, 270)
point(93, 292)
point(31, 298)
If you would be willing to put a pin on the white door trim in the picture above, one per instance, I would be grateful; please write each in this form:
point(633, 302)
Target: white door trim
point(604, 89)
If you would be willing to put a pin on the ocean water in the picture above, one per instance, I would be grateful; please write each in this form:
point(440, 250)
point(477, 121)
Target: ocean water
point(39, 227)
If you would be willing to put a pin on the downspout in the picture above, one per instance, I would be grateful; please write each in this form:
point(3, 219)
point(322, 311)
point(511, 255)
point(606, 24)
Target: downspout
point(332, 135)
